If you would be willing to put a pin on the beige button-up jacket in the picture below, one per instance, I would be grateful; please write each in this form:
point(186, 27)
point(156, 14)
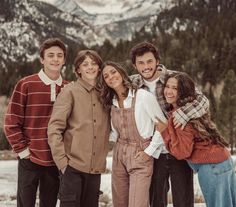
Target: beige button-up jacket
point(79, 128)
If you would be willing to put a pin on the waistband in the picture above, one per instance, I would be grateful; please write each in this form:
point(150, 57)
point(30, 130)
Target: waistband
point(142, 143)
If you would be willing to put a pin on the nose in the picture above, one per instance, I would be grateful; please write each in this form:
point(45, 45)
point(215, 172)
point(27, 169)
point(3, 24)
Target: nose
point(55, 58)
point(167, 90)
point(90, 66)
point(146, 65)
point(110, 77)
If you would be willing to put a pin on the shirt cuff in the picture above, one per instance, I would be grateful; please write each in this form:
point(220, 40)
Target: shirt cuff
point(181, 117)
point(156, 144)
point(62, 163)
point(24, 153)
point(112, 137)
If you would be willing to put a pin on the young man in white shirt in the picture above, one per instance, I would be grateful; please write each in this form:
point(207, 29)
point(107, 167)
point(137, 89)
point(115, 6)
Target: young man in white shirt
point(145, 58)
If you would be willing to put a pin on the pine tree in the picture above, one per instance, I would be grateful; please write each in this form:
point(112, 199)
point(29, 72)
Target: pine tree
point(227, 112)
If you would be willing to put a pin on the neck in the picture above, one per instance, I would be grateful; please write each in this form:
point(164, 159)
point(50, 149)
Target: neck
point(174, 105)
point(121, 92)
point(91, 82)
point(53, 75)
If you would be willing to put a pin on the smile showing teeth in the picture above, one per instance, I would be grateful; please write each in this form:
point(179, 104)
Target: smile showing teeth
point(90, 72)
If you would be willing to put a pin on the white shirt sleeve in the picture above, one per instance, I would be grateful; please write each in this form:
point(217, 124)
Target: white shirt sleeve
point(154, 111)
point(155, 145)
point(153, 108)
point(24, 153)
point(113, 134)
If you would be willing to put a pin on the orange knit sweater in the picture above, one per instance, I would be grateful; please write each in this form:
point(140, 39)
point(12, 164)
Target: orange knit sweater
point(186, 144)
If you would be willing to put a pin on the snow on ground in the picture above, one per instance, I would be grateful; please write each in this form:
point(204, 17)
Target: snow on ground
point(8, 180)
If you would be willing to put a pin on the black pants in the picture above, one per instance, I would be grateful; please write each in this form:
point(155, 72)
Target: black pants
point(181, 178)
point(30, 177)
point(79, 189)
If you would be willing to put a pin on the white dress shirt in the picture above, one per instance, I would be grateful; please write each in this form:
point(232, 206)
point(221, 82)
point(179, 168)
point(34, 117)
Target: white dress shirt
point(152, 88)
point(146, 110)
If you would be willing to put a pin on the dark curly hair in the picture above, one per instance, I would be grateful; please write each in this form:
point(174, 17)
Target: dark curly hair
point(204, 125)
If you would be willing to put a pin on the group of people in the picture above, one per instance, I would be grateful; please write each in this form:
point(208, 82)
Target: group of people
point(157, 119)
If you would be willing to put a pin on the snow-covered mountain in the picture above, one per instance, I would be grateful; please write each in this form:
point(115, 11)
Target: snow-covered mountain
point(109, 11)
point(113, 19)
point(25, 23)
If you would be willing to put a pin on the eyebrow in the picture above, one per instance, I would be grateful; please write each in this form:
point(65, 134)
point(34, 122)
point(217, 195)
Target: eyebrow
point(52, 53)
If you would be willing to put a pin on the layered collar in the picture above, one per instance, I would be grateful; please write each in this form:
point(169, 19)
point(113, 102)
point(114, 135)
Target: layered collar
point(47, 81)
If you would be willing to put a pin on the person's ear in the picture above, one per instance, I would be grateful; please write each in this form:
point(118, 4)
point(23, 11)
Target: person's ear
point(77, 70)
point(41, 60)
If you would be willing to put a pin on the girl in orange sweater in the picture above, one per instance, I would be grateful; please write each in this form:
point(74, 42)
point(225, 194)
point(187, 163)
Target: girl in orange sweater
point(201, 145)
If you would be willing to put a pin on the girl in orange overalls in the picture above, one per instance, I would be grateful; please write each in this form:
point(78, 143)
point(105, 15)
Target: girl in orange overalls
point(133, 117)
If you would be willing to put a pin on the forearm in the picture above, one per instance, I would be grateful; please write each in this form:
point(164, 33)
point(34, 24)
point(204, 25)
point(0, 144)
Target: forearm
point(192, 110)
point(13, 126)
point(55, 141)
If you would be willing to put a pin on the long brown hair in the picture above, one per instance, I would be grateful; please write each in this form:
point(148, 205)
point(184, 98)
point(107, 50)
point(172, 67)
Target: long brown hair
point(204, 125)
point(107, 93)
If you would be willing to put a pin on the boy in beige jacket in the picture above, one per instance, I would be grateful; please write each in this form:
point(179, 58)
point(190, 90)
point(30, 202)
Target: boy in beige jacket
point(78, 135)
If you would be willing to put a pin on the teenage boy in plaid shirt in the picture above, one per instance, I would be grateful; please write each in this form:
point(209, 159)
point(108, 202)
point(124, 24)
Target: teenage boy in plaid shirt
point(145, 58)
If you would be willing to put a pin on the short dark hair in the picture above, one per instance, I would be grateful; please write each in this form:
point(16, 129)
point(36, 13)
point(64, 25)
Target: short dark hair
point(142, 48)
point(82, 54)
point(50, 43)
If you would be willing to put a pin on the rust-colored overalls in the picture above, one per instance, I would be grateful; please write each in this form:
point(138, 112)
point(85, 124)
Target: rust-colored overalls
point(131, 177)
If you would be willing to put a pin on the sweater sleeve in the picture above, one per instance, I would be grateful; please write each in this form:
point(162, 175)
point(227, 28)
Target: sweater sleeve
point(14, 118)
point(179, 142)
point(57, 126)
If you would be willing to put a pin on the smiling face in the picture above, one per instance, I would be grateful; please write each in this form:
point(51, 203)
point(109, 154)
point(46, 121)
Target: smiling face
point(88, 70)
point(53, 60)
point(146, 65)
point(112, 77)
point(171, 91)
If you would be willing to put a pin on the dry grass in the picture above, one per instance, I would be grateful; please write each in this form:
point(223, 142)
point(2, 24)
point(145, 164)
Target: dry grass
point(7, 155)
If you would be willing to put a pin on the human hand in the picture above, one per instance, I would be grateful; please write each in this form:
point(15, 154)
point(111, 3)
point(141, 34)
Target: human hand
point(142, 156)
point(177, 124)
point(160, 125)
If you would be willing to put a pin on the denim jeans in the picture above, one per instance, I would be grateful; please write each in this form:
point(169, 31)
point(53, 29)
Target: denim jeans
point(217, 182)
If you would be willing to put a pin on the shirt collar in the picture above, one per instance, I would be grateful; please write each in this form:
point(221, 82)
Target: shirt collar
point(84, 84)
point(163, 74)
point(46, 80)
point(131, 94)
